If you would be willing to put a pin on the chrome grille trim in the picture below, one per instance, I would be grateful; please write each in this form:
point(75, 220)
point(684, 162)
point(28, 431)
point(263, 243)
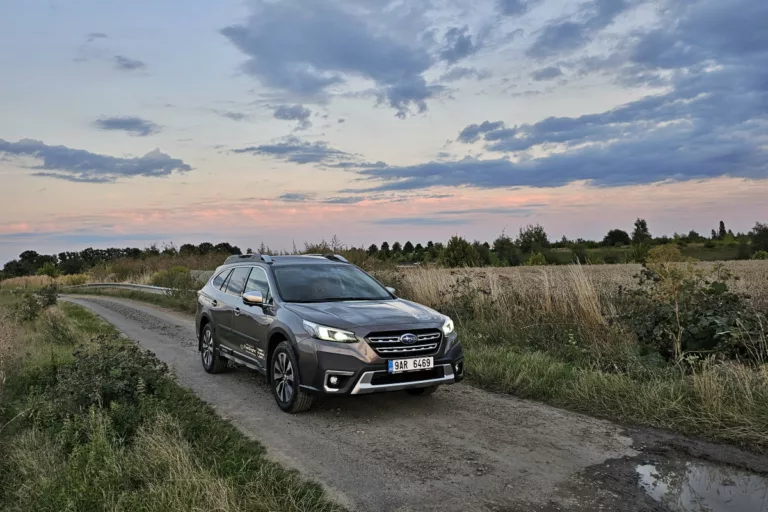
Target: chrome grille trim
point(388, 344)
point(396, 339)
point(406, 349)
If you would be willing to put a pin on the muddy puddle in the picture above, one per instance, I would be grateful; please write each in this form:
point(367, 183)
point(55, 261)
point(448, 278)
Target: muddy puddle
point(695, 486)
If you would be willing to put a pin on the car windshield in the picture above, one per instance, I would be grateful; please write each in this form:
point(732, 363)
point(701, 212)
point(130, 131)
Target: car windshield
point(325, 283)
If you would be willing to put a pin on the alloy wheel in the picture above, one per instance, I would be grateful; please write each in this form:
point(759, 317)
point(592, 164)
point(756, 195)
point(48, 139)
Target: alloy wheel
point(283, 378)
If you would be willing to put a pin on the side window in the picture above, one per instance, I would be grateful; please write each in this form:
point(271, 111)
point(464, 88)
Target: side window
point(258, 281)
point(236, 282)
point(218, 281)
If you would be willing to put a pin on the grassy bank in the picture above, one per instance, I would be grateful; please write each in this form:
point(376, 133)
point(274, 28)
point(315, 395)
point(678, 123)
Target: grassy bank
point(565, 335)
point(89, 421)
point(582, 338)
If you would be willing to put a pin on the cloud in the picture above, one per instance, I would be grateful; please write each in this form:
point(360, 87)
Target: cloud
point(418, 221)
point(472, 132)
point(710, 121)
point(297, 197)
point(345, 200)
point(514, 7)
point(548, 73)
point(132, 125)
point(234, 116)
point(123, 63)
point(519, 212)
point(460, 73)
point(294, 113)
point(298, 151)
point(457, 45)
point(303, 48)
point(79, 165)
point(94, 36)
point(567, 35)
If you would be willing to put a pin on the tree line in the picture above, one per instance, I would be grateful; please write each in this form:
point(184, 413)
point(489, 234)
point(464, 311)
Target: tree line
point(531, 246)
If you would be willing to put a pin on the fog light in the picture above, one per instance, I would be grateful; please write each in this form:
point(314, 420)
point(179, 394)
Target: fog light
point(459, 369)
point(333, 380)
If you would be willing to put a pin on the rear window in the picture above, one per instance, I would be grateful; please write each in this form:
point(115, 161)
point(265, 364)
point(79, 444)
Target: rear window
point(220, 278)
point(236, 282)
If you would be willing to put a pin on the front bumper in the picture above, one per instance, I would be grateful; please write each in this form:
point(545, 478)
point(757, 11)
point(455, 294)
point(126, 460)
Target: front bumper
point(359, 370)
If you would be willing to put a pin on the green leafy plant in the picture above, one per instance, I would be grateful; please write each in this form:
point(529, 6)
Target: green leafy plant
point(536, 259)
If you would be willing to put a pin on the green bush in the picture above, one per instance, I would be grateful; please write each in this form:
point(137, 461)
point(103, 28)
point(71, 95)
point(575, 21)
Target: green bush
point(48, 295)
point(760, 255)
point(27, 308)
point(536, 259)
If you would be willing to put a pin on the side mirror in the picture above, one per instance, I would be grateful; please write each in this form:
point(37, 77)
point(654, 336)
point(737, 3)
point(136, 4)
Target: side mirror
point(253, 298)
point(391, 290)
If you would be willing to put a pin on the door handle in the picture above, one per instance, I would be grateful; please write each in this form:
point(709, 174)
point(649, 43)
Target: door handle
point(237, 311)
point(215, 303)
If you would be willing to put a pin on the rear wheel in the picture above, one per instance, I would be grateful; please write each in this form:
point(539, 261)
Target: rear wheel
point(422, 391)
point(212, 361)
point(285, 381)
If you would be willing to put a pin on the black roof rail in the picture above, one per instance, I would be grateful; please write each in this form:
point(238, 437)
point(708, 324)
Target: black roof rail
point(337, 257)
point(238, 258)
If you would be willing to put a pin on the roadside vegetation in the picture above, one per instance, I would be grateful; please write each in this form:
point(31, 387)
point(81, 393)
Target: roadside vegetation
point(89, 421)
point(668, 341)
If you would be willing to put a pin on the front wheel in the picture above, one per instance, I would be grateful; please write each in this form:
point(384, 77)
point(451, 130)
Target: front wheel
point(285, 381)
point(212, 361)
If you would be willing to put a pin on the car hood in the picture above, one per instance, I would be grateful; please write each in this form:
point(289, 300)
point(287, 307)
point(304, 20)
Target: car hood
point(373, 313)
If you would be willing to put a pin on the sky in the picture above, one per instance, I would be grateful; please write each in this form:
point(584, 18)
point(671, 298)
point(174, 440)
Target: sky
point(285, 121)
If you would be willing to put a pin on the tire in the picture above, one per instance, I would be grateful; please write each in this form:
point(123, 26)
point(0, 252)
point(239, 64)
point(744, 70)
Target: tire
point(422, 391)
point(285, 381)
point(209, 353)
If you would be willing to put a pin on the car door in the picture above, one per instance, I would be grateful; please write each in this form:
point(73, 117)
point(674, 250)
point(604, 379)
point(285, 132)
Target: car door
point(214, 298)
point(251, 323)
point(232, 298)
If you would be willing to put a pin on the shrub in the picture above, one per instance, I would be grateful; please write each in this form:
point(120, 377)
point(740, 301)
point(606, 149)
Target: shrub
point(611, 258)
point(55, 328)
point(680, 310)
point(48, 295)
point(48, 269)
point(760, 255)
point(536, 259)
point(27, 308)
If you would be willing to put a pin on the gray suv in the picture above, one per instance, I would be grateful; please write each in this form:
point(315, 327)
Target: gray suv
point(317, 325)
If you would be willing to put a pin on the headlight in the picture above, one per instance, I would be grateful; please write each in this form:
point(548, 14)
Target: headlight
point(447, 326)
point(322, 332)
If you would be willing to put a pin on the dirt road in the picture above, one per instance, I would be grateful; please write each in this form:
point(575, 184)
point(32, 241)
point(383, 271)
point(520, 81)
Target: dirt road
point(460, 449)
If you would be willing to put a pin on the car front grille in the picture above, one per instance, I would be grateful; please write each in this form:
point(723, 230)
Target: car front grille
point(389, 344)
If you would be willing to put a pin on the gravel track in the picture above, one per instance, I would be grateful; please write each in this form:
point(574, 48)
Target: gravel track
point(460, 449)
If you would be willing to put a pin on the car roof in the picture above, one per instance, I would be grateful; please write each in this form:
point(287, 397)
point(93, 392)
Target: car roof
point(311, 259)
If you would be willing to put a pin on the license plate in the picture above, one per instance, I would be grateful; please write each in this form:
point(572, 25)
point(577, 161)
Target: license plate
point(410, 365)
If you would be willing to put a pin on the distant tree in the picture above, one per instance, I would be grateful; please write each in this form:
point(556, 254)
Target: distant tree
point(744, 251)
point(419, 249)
point(721, 232)
point(459, 253)
point(532, 238)
point(206, 248)
point(408, 247)
point(641, 234)
point(759, 237)
point(397, 248)
point(536, 259)
point(249, 251)
point(384, 252)
point(713, 236)
point(505, 250)
point(227, 248)
point(372, 250)
point(152, 250)
point(49, 269)
point(616, 237)
point(336, 245)
point(482, 253)
point(187, 249)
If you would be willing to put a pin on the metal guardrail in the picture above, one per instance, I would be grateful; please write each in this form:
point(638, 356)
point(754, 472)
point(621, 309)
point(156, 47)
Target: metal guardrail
point(124, 286)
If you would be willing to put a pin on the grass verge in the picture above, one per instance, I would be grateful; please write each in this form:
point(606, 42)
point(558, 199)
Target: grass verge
point(559, 349)
point(88, 421)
